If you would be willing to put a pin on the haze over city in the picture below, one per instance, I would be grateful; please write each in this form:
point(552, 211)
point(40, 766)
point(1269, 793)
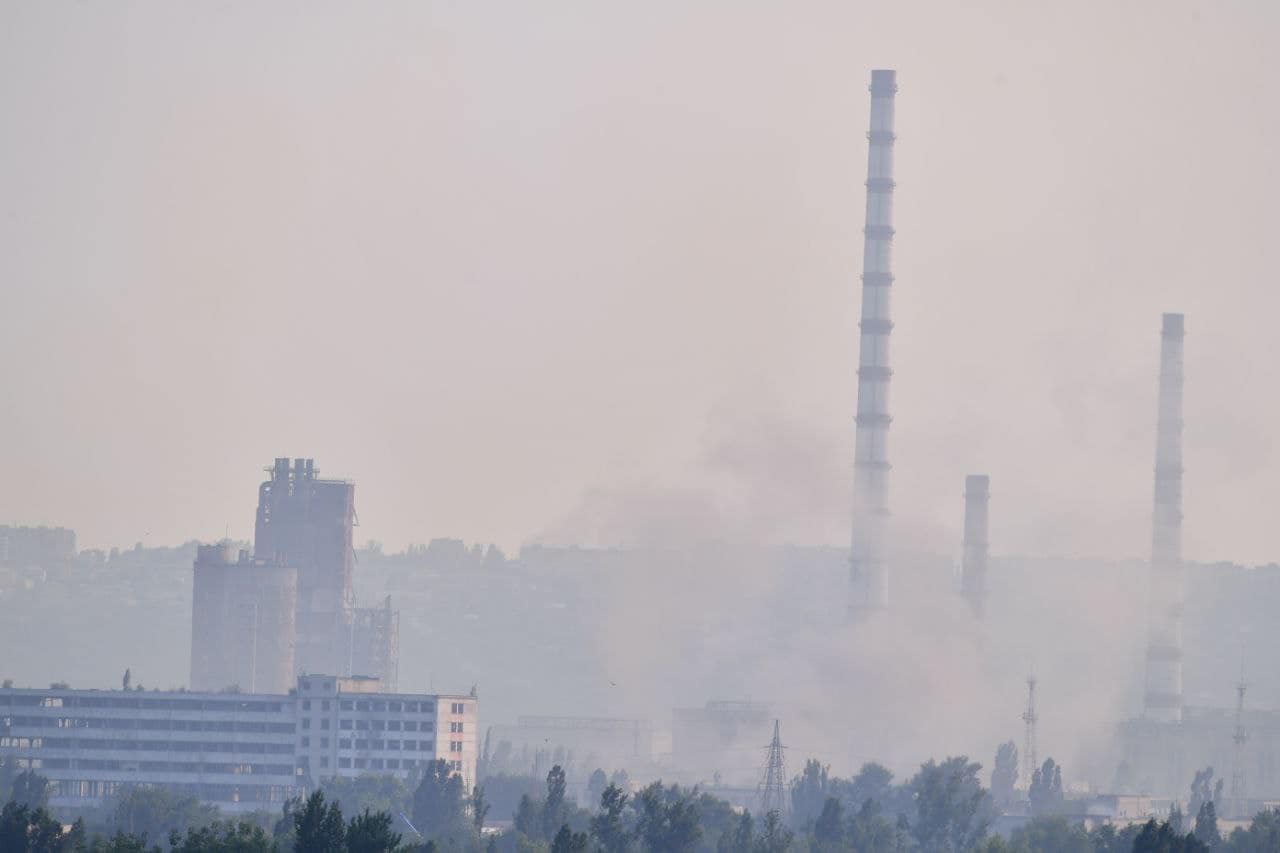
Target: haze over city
point(823, 427)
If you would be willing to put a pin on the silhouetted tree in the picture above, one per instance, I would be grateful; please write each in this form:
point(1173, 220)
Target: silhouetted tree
point(596, 784)
point(479, 809)
point(370, 832)
point(741, 836)
point(774, 836)
point(953, 810)
point(319, 828)
point(568, 841)
point(1046, 794)
point(553, 807)
point(607, 827)
point(24, 829)
point(1207, 825)
point(223, 838)
point(1163, 838)
point(1004, 775)
point(30, 789)
point(438, 808)
point(828, 829)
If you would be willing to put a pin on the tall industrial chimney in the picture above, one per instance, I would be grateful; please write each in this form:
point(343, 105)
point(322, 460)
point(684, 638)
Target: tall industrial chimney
point(871, 460)
point(1163, 697)
point(973, 565)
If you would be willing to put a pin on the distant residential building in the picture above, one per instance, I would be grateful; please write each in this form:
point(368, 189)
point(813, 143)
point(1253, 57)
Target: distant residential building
point(46, 547)
point(239, 751)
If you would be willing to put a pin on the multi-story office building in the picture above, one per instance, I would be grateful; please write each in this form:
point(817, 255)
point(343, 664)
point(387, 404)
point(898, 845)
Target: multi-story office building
point(239, 751)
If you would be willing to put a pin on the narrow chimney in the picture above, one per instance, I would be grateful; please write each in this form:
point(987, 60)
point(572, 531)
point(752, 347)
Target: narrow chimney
point(973, 565)
point(870, 577)
point(1163, 697)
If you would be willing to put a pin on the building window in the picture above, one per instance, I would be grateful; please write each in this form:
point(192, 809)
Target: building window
point(410, 726)
point(410, 763)
point(379, 706)
point(362, 744)
point(344, 743)
point(346, 705)
point(457, 765)
point(375, 764)
point(362, 725)
point(306, 685)
point(306, 704)
point(455, 746)
point(393, 764)
point(411, 744)
point(411, 707)
point(324, 761)
point(306, 741)
point(424, 746)
point(362, 706)
point(324, 723)
point(393, 744)
point(361, 763)
point(379, 744)
point(344, 762)
point(379, 725)
point(324, 743)
point(393, 706)
point(393, 725)
point(344, 724)
point(306, 722)
point(455, 728)
point(324, 706)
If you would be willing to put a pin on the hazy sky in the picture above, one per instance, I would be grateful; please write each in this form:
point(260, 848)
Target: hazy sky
point(589, 271)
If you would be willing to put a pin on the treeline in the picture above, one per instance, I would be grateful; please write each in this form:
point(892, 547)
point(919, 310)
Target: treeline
point(943, 808)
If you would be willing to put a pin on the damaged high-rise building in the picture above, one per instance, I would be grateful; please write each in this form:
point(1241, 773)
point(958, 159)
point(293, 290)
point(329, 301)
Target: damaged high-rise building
point(302, 532)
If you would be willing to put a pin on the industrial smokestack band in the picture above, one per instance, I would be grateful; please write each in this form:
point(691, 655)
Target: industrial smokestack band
point(870, 579)
point(1163, 695)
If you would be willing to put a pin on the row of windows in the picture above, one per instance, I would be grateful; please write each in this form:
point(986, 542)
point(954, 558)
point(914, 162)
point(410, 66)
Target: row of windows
point(146, 725)
point(143, 703)
point(164, 745)
point(376, 763)
point(381, 725)
point(408, 745)
point(233, 769)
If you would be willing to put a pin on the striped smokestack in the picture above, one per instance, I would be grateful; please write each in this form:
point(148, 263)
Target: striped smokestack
point(1163, 697)
point(871, 461)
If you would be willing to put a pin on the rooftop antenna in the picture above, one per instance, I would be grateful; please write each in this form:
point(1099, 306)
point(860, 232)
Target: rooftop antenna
point(1029, 761)
point(773, 782)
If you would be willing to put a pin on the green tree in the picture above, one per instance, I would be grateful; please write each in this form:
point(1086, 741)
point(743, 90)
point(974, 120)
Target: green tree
point(318, 828)
point(774, 836)
point(1163, 838)
point(828, 829)
point(154, 813)
point(122, 842)
point(553, 807)
point(370, 832)
point(809, 792)
point(667, 820)
point(568, 841)
point(607, 826)
point(439, 811)
point(30, 789)
point(376, 792)
point(1207, 825)
point(1004, 774)
point(870, 832)
point(1046, 794)
point(479, 809)
point(742, 836)
point(596, 784)
point(28, 830)
point(1053, 834)
point(223, 838)
point(1261, 836)
point(953, 811)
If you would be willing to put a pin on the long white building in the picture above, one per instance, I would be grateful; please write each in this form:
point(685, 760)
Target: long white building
point(238, 751)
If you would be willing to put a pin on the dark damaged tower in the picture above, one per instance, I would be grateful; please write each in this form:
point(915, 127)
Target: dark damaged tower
point(870, 578)
point(1163, 694)
point(973, 565)
point(306, 523)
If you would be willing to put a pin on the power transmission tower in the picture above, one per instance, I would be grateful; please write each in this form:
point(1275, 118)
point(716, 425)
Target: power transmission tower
point(1030, 764)
point(772, 792)
point(1238, 788)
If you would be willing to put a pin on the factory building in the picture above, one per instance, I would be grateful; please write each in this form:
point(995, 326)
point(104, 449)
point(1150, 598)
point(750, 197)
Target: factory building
point(242, 622)
point(259, 621)
point(239, 751)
